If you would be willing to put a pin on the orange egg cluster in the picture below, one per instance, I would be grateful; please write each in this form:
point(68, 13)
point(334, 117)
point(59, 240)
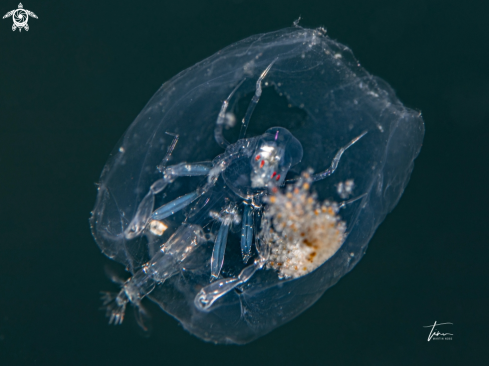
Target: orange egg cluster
point(304, 233)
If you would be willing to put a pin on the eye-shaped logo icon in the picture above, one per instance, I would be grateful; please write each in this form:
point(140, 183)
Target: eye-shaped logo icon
point(20, 17)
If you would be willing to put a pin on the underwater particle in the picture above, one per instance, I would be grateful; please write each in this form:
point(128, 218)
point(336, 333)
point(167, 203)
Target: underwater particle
point(157, 227)
point(345, 189)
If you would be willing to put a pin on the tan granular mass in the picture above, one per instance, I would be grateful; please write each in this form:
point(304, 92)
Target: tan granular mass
point(305, 233)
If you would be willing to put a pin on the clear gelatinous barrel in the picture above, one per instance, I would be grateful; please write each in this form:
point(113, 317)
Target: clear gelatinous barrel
point(318, 91)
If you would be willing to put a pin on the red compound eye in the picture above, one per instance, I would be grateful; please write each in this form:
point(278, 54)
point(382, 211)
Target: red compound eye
point(262, 163)
point(278, 177)
point(257, 157)
point(274, 174)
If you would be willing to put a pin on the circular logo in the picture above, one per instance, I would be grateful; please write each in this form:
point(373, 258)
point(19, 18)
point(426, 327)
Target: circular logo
point(20, 18)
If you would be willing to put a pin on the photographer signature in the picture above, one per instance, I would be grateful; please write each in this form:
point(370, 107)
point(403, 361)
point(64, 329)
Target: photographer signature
point(436, 333)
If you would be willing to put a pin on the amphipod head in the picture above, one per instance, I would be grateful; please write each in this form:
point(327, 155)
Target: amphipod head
point(277, 150)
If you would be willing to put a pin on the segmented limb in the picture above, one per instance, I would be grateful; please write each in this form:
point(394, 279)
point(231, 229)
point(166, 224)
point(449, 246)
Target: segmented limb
point(226, 217)
point(142, 317)
point(145, 208)
point(132, 291)
point(167, 157)
point(336, 160)
point(347, 202)
point(334, 163)
point(222, 119)
point(254, 101)
point(209, 294)
point(174, 206)
point(138, 222)
point(247, 232)
point(206, 297)
point(186, 170)
point(217, 258)
point(114, 310)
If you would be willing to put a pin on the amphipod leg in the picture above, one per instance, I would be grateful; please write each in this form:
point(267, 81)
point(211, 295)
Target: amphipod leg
point(138, 222)
point(344, 203)
point(167, 157)
point(254, 101)
point(334, 163)
point(247, 232)
point(221, 119)
point(209, 294)
point(174, 206)
point(336, 160)
point(145, 208)
point(186, 170)
point(217, 258)
point(228, 216)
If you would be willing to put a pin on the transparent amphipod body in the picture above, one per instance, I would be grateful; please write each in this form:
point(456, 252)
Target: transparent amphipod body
point(205, 214)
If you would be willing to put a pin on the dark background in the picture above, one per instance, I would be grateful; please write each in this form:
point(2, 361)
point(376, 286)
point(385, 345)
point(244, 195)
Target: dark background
point(72, 84)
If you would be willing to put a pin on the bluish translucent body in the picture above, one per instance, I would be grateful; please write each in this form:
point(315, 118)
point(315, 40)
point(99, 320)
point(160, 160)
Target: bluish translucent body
point(319, 93)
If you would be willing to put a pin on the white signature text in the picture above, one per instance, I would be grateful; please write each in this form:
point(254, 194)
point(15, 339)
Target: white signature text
point(436, 333)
